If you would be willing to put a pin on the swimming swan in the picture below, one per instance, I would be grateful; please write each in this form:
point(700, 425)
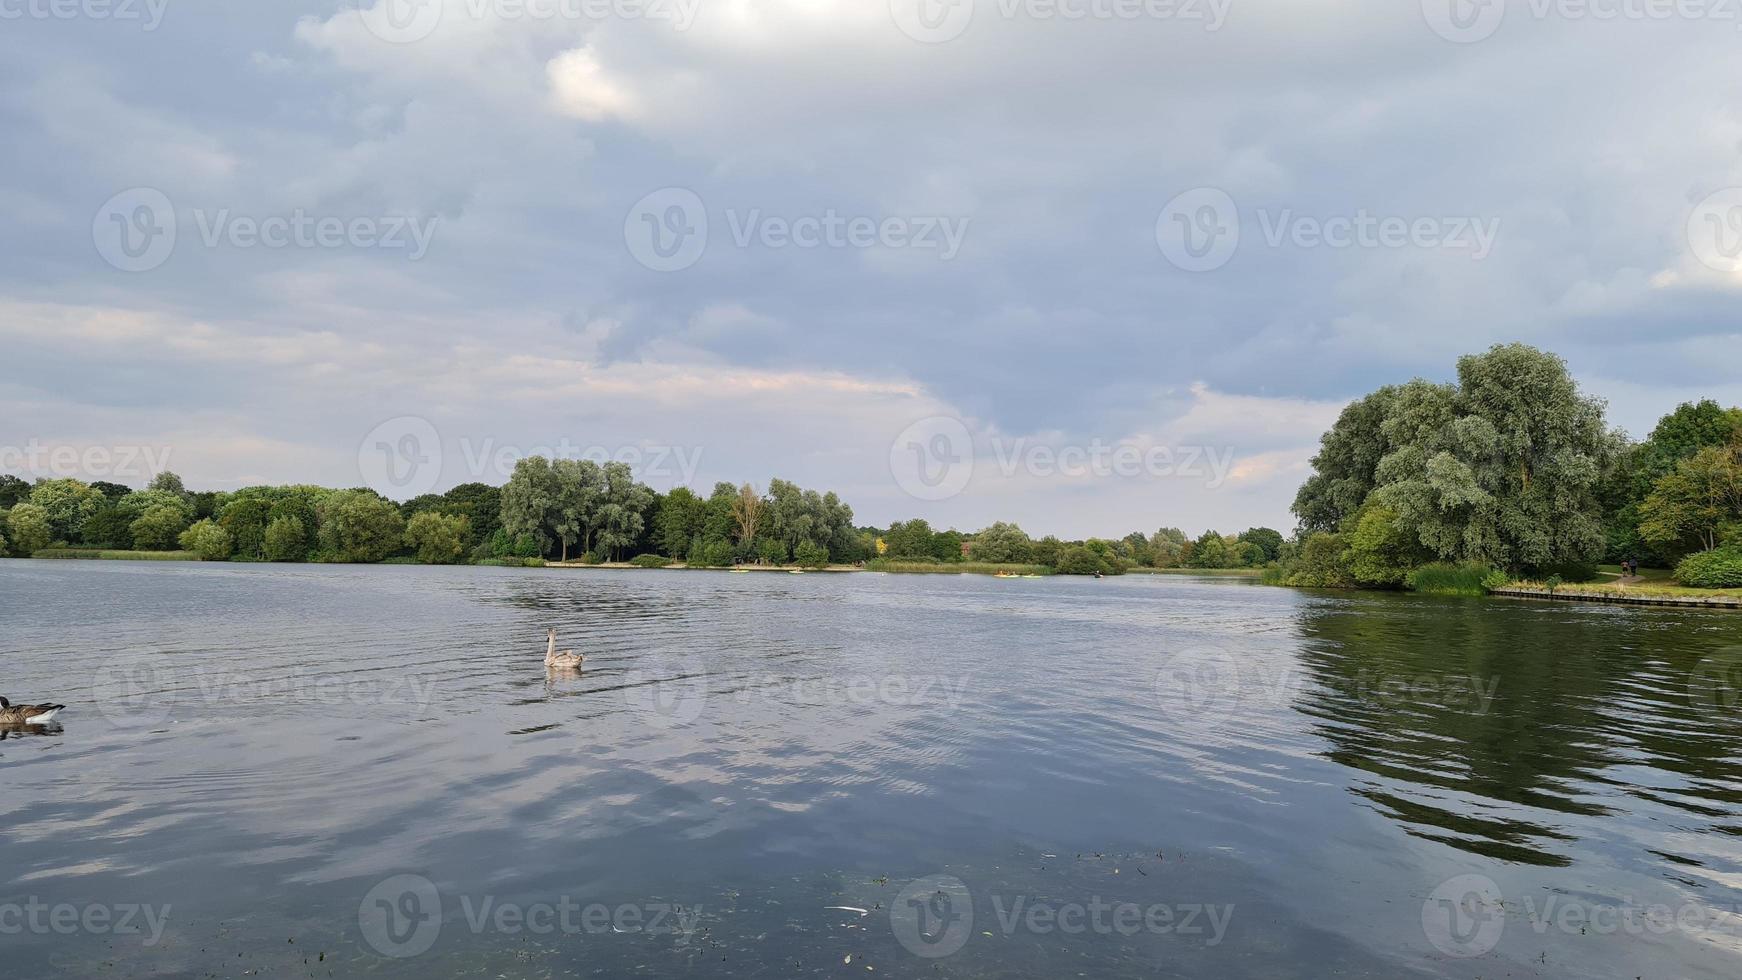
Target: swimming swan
point(28, 714)
point(566, 658)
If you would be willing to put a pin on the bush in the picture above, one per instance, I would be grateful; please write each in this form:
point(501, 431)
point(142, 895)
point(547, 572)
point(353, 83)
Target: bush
point(208, 540)
point(771, 551)
point(650, 561)
point(1496, 579)
point(1319, 565)
point(1077, 560)
point(711, 554)
point(1720, 568)
point(286, 540)
point(810, 554)
point(1445, 578)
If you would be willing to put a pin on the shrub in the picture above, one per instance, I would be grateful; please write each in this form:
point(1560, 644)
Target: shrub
point(771, 551)
point(650, 561)
point(810, 554)
point(1319, 565)
point(1077, 560)
point(1720, 568)
point(286, 540)
point(1554, 582)
point(1496, 579)
point(1445, 578)
point(208, 540)
point(595, 557)
point(711, 554)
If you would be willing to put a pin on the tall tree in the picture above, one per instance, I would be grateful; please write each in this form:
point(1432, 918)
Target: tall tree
point(1699, 503)
point(747, 509)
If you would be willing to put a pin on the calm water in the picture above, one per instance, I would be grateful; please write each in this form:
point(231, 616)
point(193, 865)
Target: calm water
point(337, 771)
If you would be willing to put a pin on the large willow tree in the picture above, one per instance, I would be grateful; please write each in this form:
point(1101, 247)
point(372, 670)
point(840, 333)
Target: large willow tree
point(1503, 467)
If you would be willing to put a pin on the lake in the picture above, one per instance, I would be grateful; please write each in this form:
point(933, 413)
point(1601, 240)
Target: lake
point(340, 770)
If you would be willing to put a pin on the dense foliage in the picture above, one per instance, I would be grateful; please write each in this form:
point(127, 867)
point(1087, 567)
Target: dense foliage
point(1510, 468)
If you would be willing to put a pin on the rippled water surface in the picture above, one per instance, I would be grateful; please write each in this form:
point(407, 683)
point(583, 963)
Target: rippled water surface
point(342, 771)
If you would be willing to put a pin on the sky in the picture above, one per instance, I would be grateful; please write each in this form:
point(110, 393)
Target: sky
point(1093, 266)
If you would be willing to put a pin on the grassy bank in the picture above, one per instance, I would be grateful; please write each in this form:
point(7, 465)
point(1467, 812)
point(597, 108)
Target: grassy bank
point(1663, 588)
point(1221, 572)
point(953, 568)
point(106, 555)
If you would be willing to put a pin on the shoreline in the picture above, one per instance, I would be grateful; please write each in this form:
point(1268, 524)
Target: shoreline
point(1564, 594)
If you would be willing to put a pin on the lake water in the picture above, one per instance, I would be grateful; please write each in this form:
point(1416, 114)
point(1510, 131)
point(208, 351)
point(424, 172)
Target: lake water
point(341, 771)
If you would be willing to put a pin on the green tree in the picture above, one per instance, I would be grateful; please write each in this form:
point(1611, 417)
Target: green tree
point(1700, 502)
point(109, 527)
point(112, 491)
point(438, 539)
point(810, 554)
point(1504, 468)
point(1004, 543)
point(772, 551)
point(1047, 551)
point(1077, 559)
point(207, 539)
point(167, 482)
point(1343, 470)
point(533, 504)
point(480, 504)
point(29, 528)
point(1268, 540)
point(158, 528)
point(1210, 550)
point(682, 516)
point(621, 515)
point(1167, 547)
point(358, 526)
point(1381, 550)
point(67, 504)
point(12, 491)
point(286, 539)
point(910, 539)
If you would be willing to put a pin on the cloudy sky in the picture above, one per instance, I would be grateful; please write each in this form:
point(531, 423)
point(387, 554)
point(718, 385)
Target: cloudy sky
point(1092, 265)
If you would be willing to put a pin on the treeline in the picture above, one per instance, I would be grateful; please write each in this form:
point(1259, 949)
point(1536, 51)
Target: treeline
point(561, 510)
point(1512, 471)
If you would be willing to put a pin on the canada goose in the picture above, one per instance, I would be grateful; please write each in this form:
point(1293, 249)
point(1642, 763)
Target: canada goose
point(28, 714)
point(565, 658)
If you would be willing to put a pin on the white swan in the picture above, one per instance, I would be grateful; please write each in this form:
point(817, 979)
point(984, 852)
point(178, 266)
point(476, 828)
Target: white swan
point(565, 658)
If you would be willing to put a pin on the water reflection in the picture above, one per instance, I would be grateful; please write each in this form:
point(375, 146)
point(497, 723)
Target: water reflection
point(1512, 735)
